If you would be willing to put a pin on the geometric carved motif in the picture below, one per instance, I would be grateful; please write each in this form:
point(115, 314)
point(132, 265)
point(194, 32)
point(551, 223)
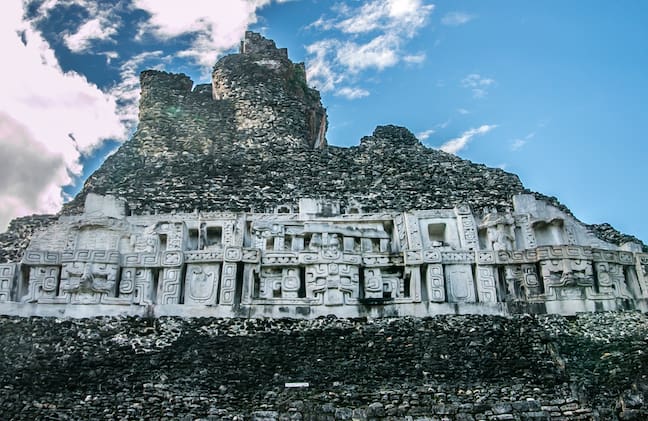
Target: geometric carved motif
point(201, 283)
point(276, 282)
point(435, 283)
point(332, 284)
point(228, 284)
point(7, 278)
point(170, 286)
point(43, 284)
point(486, 289)
point(136, 286)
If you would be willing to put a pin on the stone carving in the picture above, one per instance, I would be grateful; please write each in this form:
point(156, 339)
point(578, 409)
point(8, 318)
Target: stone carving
point(499, 233)
point(170, 287)
point(88, 282)
point(460, 283)
point(43, 284)
point(467, 227)
point(201, 284)
point(7, 278)
point(283, 283)
point(136, 286)
point(332, 284)
point(228, 286)
point(319, 263)
point(610, 281)
point(566, 278)
point(486, 288)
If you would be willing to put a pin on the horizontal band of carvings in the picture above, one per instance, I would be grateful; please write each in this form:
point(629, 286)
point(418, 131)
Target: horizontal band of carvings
point(563, 252)
point(95, 256)
point(229, 254)
point(620, 257)
point(140, 260)
point(35, 257)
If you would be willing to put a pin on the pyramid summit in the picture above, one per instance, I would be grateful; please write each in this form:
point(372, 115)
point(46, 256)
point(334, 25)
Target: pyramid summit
point(228, 200)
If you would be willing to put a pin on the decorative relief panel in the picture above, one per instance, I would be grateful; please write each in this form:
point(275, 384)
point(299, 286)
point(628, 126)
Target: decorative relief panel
point(7, 279)
point(136, 286)
point(467, 227)
point(566, 279)
point(435, 283)
point(88, 282)
point(201, 283)
point(332, 284)
point(43, 284)
point(228, 284)
point(170, 286)
point(610, 282)
point(460, 283)
point(37, 257)
point(486, 287)
point(278, 283)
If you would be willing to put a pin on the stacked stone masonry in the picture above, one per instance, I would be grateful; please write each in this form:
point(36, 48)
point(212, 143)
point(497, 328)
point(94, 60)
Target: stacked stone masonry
point(321, 259)
point(453, 368)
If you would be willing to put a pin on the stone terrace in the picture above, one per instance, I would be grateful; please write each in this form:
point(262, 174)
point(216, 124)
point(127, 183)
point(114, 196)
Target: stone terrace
point(453, 368)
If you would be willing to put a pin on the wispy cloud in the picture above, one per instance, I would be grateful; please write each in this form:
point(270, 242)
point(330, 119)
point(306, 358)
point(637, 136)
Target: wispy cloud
point(477, 84)
point(370, 36)
point(352, 93)
point(519, 143)
point(456, 18)
point(425, 134)
point(414, 58)
point(463, 111)
point(455, 145)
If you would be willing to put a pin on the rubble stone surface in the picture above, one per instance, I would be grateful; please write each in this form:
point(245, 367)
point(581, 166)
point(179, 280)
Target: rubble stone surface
point(456, 368)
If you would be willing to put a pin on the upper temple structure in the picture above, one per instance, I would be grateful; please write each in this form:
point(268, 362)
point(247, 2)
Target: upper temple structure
point(229, 202)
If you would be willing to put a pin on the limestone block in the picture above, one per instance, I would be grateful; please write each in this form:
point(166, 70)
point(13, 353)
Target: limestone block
point(106, 206)
point(460, 283)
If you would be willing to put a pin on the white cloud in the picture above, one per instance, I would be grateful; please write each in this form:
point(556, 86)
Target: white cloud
point(102, 22)
point(425, 134)
point(370, 36)
point(380, 52)
point(91, 30)
point(217, 27)
point(463, 111)
point(456, 18)
point(48, 119)
point(352, 93)
point(477, 84)
point(455, 145)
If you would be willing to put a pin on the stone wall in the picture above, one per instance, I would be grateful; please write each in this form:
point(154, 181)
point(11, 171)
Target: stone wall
point(446, 368)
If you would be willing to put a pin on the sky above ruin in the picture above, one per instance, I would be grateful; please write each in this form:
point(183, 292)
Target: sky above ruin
point(554, 91)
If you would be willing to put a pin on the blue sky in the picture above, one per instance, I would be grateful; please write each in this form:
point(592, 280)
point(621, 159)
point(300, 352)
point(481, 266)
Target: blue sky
point(554, 91)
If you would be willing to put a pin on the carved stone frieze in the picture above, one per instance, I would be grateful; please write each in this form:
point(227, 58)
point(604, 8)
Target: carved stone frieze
point(304, 260)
